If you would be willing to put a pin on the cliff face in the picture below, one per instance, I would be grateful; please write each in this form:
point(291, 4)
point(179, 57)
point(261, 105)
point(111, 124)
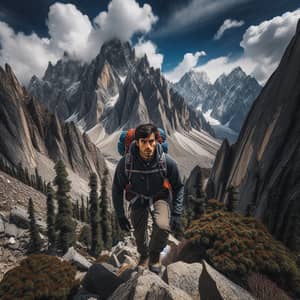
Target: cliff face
point(265, 167)
point(30, 134)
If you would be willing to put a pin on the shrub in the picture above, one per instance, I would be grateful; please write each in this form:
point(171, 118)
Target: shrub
point(237, 245)
point(39, 277)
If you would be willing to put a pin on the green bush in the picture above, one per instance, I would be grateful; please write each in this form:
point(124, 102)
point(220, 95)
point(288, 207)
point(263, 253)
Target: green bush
point(237, 245)
point(39, 277)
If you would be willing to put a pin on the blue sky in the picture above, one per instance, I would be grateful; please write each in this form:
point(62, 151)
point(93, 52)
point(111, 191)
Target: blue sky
point(176, 35)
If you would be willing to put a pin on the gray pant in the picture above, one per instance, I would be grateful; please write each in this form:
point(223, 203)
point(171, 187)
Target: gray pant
point(160, 228)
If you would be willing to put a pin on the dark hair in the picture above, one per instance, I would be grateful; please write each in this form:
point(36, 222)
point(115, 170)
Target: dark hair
point(144, 130)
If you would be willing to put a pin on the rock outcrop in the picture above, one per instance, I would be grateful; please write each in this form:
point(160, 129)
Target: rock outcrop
point(265, 162)
point(31, 135)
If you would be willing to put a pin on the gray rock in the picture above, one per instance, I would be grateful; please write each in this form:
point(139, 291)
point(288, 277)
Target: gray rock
point(82, 294)
point(147, 285)
point(214, 285)
point(113, 260)
point(80, 261)
point(2, 228)
point(184, 276)
point(101, 281)
point(11, 230)
point(19, 217)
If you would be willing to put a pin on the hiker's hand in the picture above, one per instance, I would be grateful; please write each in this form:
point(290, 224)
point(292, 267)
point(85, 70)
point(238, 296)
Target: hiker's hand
point(124, 223)
point(175, 222)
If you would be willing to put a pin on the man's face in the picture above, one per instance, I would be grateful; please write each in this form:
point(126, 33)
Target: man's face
point(147, 146)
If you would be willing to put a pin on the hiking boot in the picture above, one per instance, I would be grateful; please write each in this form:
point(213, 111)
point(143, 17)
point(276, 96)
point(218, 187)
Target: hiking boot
point(154, 262)
point(143, 262)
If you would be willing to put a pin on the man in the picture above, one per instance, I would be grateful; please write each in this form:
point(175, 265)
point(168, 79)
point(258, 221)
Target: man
point(149, 192)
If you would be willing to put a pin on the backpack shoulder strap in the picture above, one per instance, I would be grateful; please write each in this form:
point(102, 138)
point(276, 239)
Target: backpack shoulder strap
point(162, 164)
point(128, 165)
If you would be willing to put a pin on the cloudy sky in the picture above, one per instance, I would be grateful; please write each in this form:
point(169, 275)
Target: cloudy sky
point(177, 36)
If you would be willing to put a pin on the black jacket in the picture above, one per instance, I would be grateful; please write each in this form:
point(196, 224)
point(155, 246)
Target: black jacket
point(147, 184)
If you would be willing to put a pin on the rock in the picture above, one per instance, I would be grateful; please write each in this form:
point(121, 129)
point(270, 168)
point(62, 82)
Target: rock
point(113, 260)
point(110, 267)
point(129, 261)
point(2, 228)
point(147, 285)
point(11, 240)
point(80, 261)
point(184, 276)
point(11, 230)
point(99, 280)
point(214, 285)
point(82, 294)
point(19, 217)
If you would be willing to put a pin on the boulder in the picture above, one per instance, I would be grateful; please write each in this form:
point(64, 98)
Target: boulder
point(147, 285)
point(101, 281)
point(184, 276)
point(214, 285)
point(11, 230)
point(80, 261)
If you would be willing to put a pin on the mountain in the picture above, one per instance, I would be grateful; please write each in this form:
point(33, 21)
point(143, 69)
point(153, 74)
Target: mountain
point(31, 135)
point(195, 87)
point(118, 91)
point(264, 165)
point(228, 100)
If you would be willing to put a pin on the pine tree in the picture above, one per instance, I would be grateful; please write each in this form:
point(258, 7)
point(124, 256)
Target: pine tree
point(95, 221)
point(105, 214)
point(77, 211)
point(35, 242)
point(87, 214)
point(64, 223)
point(82, 210)
point(50, 219)
point(232, 199)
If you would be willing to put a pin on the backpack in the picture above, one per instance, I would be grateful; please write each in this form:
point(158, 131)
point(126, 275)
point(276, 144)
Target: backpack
point(126, 139)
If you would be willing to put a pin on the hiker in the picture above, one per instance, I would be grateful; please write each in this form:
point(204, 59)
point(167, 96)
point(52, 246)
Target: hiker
point(152, 184)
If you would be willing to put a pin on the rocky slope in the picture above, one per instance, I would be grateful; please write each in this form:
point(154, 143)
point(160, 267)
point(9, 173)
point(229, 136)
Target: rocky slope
point(37, 138)
point(264, 165)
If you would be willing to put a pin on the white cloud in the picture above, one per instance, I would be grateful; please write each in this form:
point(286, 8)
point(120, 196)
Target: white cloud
point(68, 28)
point(27, 54)
point(72, 31)
point(196, 11)
point(263, 45)
point(149, 48)
point(228, 23)
point(189, 61)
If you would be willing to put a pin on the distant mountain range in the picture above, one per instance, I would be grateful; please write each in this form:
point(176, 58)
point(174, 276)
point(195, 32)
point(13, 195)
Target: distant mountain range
point(228, 100)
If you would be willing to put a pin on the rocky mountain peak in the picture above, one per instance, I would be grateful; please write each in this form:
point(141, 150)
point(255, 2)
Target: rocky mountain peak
point(118, 54)
point(9, 83)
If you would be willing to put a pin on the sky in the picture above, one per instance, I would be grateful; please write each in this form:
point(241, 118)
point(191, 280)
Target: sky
point(177, 36)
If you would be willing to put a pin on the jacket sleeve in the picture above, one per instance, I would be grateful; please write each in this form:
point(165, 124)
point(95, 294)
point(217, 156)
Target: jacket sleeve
point(119, 184)
point(177, 186)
